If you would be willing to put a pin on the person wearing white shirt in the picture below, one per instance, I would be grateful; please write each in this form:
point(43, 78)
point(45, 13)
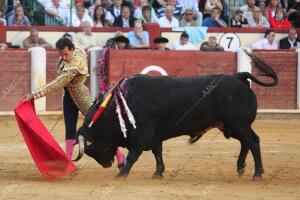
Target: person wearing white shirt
point(81, 16)
point(183, 43)
point(267, 42)
point(86, 39)
point(113, 12)
point(58, 10)
point(168, 21)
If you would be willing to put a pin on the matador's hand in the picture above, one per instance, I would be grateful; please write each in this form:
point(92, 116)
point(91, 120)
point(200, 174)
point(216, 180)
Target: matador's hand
point(28, 97)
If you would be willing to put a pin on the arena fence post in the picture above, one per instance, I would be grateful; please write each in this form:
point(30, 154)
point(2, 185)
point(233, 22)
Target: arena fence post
point(38, 74)
point(94, 52)
point(298, 78)
point(243, 61)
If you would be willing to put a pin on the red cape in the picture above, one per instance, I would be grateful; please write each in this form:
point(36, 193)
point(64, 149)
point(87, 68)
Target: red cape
point(48, 156)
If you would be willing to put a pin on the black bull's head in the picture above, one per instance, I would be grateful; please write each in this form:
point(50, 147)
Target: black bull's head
point(94, 145)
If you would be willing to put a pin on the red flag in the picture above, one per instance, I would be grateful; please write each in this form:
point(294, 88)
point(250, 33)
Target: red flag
point(48, 156)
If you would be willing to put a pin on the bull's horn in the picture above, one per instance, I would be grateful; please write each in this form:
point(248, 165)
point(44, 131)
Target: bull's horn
point(81, 142)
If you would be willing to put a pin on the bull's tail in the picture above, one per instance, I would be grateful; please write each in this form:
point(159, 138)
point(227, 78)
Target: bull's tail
point(264, 70)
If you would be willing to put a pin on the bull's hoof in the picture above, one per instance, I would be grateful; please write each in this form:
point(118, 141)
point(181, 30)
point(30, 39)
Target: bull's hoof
point(157, 176)
point(257, 178)
point(241, 172)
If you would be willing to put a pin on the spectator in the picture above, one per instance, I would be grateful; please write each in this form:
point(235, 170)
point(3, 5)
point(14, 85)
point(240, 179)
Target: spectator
point(210, 5)
point(267, 42)
point(3, 46)
point(58, 10)
point(92, 8)
point(282, 3)
point(214, 20)
point(177, 11)
point(2, 17)
point(279, 20)
point(99, 16)
point(271, 9)
point(238, 20)
point(161, 43)
point(81, 16)
point(168, 21)
point(189, 4)
point(18, 18)
point(148, 15)
point(248, 9)
point(138, 38)
point(113, 12)
point(183, 43)
point(86, 39)
point(211, 45)
point(293, 12)
point(291, 41)
point(125, 20)
point(189, 19)
point(157, 4)
point(145, 12)
point(257, 20)
point(33, 40)
point(118, 42)
point(234, 5)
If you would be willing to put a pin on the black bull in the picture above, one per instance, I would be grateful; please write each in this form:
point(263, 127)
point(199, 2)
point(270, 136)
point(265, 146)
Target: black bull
point(167, 107)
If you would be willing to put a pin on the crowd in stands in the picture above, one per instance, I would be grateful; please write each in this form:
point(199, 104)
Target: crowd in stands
point(168, 13)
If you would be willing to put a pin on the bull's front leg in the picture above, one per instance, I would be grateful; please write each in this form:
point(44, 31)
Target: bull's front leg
point(132, 157)
point(160, 166)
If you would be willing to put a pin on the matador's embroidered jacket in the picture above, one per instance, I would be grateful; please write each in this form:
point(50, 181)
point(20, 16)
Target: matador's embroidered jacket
point(71, 75)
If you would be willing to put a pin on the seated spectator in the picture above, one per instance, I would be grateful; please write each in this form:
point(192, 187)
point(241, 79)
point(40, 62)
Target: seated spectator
point(157, 4)
point(138, 38)
point(168, 21)
point(146, 13)
point(211, 45)
point(113, 12)
point(257, 20)
point(92, 8)
point(214, 20)
point(125, 20)
point(189, 4)
point(18, 18)
point(210, 5)
point(86, 39)
point(234, 5)
point(3, 46)
point(271, 9)
point(267, 42)
point(118, 42)
point(189, 19)
point(161, 43)
point(291, 41)
point(99, 17)
point(81, 16)
point(183, 43)
point(248, 9)
point(33, 40)
point(293, 12)
point(58, 10)
point(177, 11)
point(280, 21)
point(2, 17)
point(238, 20)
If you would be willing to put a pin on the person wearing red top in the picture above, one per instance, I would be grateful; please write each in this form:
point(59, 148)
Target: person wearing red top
point(280, 21)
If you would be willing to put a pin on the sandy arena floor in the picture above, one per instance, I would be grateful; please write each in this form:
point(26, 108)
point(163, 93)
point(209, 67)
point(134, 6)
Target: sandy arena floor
point(205, 170)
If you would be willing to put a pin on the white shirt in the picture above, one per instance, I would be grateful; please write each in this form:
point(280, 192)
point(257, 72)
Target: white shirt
point(177, 46)
point(110, 17)
point(62, 11)
point(86, 41)
point(165, 23)
point(191, 4)
point(76, 21)
point(264, 44)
